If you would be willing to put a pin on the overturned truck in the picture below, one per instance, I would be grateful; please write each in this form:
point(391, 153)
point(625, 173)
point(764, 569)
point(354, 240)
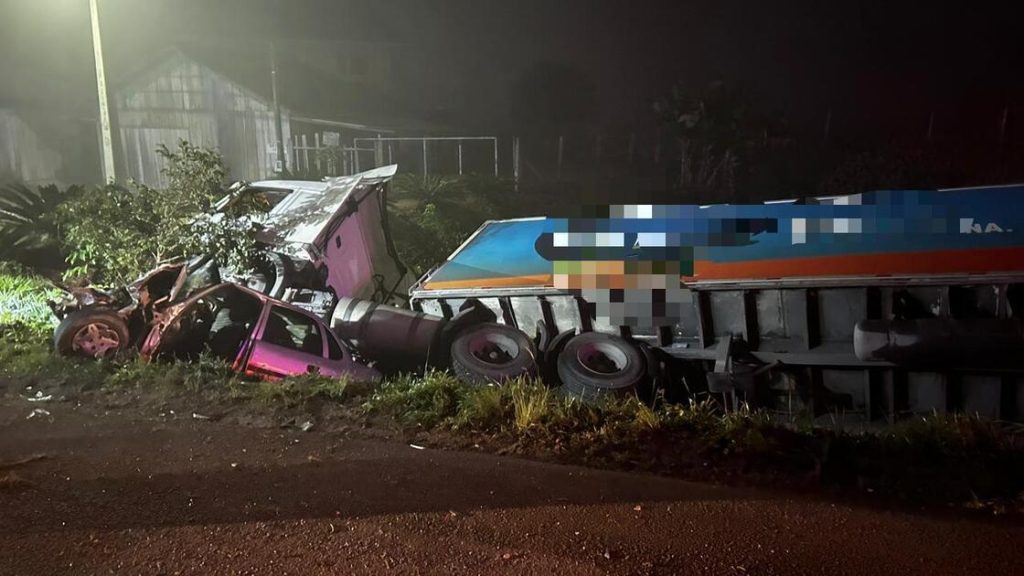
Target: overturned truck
point(865, 308)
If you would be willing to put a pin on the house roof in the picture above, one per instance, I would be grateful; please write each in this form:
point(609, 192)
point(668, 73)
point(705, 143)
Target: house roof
point(305, 90)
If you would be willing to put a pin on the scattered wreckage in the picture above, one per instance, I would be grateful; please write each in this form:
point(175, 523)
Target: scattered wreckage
point(182, 310)
point(322, 240)
point(797, 309)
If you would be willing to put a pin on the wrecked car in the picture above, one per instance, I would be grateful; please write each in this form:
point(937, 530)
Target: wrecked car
point(330, 273)
point(195, 313)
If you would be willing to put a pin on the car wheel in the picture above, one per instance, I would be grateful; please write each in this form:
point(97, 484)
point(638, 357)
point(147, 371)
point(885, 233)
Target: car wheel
point(492, 353)
point(91, 334)
point(594, 365)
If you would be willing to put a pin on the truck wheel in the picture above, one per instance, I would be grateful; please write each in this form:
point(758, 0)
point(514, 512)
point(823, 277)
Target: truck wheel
point(490, 352)
point(594, 365)
point(91, 334)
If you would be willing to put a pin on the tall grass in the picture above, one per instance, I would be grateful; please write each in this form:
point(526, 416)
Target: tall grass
point(531, 403)
point(23, 297)
point(427, 402)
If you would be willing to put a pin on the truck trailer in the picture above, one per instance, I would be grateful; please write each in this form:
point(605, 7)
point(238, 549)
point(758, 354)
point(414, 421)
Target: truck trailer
point(868, 308)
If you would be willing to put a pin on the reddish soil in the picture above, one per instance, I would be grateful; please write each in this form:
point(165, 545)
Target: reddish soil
point(127, 491)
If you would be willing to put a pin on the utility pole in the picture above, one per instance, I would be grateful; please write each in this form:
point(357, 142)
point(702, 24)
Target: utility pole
point(106, 133)
point(282, 157)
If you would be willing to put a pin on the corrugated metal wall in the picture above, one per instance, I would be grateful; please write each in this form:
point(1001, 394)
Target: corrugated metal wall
point(183, 100)
point(23, 154)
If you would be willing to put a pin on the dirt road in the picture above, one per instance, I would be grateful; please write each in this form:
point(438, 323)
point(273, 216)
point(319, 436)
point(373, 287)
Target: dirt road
point(133, 494)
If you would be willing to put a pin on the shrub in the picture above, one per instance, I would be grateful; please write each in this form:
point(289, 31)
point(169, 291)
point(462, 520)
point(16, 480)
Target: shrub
point(29, 230)
point(122, 232)
point(432, 216)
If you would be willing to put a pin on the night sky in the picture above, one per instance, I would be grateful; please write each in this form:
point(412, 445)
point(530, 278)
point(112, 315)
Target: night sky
point(873, 62)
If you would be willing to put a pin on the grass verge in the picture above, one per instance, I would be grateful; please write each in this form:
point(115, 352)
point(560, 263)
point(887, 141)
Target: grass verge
point(937, 458)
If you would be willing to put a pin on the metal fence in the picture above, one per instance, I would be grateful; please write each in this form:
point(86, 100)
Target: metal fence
point(311, 155)
point(431, 154)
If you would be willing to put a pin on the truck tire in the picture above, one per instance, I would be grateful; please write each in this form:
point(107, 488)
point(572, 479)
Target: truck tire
point(492, 353)
point(594, 365)
point(91, 334)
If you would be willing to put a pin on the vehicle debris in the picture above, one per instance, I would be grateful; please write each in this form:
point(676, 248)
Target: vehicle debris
point(320, 240)
point(37, 412)
point(39, 397)
point(258, 335)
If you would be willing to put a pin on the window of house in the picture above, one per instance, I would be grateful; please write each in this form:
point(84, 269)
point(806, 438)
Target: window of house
point(294, 330)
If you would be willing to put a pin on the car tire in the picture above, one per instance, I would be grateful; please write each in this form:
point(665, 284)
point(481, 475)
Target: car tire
point(595, 365)
point(91, 334)
point(491, 353)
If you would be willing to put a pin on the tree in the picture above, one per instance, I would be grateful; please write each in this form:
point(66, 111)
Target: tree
point(116, 233)
point(716, 128)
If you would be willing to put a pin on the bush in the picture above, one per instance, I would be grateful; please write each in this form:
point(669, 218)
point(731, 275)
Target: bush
point(29, 230)
point(122, 232)
point(432, 216)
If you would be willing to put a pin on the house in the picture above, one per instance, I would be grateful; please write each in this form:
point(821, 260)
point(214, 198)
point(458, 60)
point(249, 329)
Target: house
point(180, 98)
point(329, 92)
point(23, 154)
point(217, 95)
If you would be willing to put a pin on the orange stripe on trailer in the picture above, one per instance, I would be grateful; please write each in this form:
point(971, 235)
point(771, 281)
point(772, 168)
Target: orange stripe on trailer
point(541, 280)
point(968, 261)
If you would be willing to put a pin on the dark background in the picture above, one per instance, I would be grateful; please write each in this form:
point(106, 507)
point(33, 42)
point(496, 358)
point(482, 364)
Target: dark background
point(877, 69)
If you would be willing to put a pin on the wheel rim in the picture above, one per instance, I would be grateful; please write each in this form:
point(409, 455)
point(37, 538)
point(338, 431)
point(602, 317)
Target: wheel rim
point(494, 349)
point(602, 358)
point(96, 340)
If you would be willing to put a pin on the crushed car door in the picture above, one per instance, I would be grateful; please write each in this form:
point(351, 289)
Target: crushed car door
point(291, 342)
